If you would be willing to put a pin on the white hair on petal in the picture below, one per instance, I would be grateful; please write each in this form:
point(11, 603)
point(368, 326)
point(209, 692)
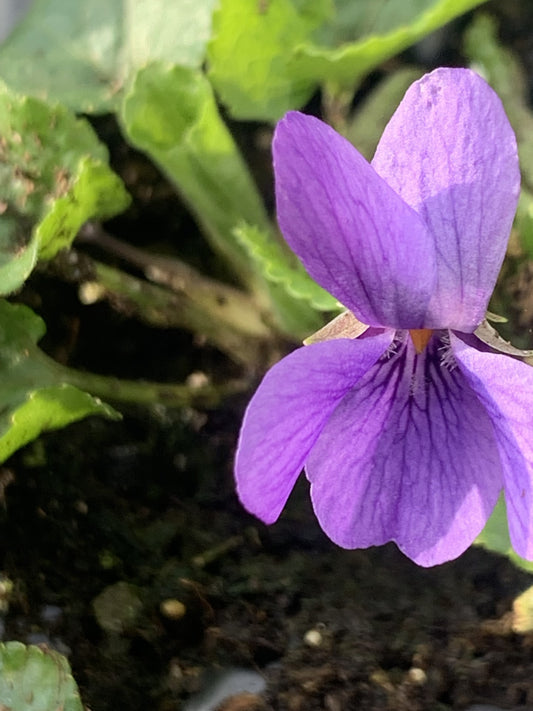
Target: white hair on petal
point(447, 359)
point(395, 345)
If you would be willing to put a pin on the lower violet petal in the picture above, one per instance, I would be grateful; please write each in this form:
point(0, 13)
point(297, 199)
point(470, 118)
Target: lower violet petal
point(288, 412)
point(505, 387)
point(408, 456)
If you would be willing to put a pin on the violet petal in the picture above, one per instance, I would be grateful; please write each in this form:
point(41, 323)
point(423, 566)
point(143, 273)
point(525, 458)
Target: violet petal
point(408, 456)
point(287, 414)
point(351, 231)
point(505, 387)
point(450, 152)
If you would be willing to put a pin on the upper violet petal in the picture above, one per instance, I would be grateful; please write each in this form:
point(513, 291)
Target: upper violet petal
point(450, 152)
point(408, 456)
point(351, 231)
point(505, 387)
point(287, 414)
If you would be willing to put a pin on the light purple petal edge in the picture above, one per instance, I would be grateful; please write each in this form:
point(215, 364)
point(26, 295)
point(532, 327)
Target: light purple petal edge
point(450, 153)
point(351, 231)
point(287, 414)
point(505, 387)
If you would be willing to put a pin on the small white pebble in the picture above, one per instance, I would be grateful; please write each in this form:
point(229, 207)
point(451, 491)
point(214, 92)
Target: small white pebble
point(197, 379)
point(313, 638)
point(81, 507)
point(417, 676)
point(90, 292)
point(172, 609)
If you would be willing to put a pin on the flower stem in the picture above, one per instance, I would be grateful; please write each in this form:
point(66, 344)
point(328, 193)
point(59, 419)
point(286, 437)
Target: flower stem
point(227, 319)
point(141, 392)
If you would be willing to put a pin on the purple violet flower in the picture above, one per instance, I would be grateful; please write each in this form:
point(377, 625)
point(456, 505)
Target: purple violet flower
point(409, 428)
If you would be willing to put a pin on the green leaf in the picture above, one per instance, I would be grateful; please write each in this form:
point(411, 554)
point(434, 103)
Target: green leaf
point(33, 397)
point(95, 192)
point(524, 220)
point(269, 56)
point(251, 55)
point(84, 54)
point(369, 18)
point(505, 74)
point(277, 266)
point(355, 20)
point(342, 68)
point(495, 537)
point(171, 114)
point(33, 679)
point(53, 177)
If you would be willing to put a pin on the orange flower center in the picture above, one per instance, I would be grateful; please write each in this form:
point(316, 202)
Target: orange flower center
point(420, 338)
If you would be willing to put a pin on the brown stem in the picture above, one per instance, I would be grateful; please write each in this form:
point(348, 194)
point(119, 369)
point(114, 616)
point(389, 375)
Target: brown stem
point(159, 306)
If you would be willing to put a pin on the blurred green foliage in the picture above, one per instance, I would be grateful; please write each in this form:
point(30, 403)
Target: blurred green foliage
point(33, 679)
point(53, 177)
point(270, 56)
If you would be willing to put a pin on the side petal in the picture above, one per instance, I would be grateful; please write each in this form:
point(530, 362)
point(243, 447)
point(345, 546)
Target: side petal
point(288, 412)
point(505, 387)
point(450, 152)
point(353, 234)
point(408, 456)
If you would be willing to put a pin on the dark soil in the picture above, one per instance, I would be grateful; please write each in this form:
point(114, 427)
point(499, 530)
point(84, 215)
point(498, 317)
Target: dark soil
point(150, 501)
